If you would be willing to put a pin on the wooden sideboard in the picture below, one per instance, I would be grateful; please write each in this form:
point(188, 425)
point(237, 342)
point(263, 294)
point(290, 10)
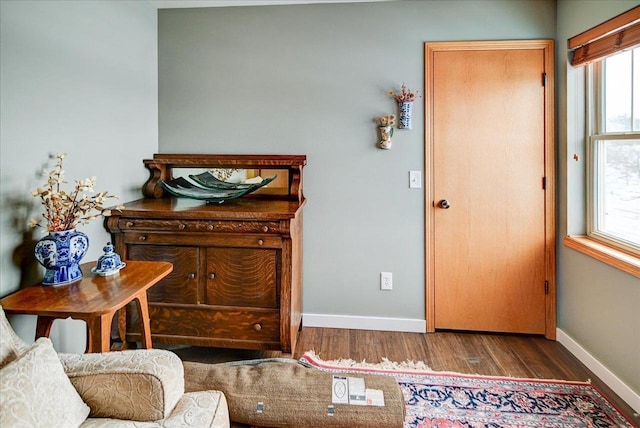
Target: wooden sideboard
point(237, 278)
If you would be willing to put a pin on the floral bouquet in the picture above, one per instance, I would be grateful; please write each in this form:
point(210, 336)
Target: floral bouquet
point(386, 120)
point(64, 211)
point(405, 95)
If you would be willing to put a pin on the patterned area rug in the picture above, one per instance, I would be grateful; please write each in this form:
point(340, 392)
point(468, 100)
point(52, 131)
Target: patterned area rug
point(441, 399)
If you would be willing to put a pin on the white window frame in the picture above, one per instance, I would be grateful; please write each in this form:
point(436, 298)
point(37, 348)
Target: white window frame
point(594, 138)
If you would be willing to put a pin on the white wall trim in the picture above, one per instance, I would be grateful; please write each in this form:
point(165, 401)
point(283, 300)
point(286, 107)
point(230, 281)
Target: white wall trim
point(608, 377)
point(177, 4)
point(365, 323)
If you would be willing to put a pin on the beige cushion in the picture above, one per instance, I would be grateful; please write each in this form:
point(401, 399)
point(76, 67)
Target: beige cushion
point(141, 385)
point(293, 395)
point(117, 423)
point(204, 409)
point(35, 392)
point(11, 346)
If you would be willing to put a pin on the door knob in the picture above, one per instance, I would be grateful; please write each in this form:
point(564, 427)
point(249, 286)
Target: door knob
point(444, 204)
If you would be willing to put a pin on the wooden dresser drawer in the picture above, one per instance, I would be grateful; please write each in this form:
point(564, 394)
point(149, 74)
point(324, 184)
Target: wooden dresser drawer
point(226, 226)
point(253, 328)
point(195, 239)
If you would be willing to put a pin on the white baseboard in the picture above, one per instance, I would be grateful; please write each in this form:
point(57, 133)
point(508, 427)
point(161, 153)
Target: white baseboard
point(365, 323)
point(614, 382)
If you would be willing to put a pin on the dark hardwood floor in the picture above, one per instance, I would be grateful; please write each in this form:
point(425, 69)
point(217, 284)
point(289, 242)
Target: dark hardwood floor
point(471, 353)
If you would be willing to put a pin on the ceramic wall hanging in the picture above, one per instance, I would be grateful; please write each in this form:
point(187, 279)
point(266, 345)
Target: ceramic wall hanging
point(385, 126)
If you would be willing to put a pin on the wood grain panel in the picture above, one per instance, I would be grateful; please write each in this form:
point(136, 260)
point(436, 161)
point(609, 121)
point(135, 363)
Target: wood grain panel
point(181, 286)
point(92, 298)
point(242, 277)
point(197, 239)
point(616, 23)
point(200, 226)
point(221, 324)
point(291, 309)
point(488, 157)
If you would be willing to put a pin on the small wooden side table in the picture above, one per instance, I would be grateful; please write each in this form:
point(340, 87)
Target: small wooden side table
point(94, 299)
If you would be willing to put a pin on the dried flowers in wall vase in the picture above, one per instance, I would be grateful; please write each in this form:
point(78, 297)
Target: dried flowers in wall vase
point(62, 249)
point(405, 99)
point(385, 126)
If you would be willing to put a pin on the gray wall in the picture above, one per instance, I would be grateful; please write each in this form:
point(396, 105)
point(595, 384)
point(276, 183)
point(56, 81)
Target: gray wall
point(598, 305)
point(310, 79)
point(76, 77)
point(81, 77)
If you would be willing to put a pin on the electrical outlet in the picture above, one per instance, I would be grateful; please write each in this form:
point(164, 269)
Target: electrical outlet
point(386, 281)
point(415, 179)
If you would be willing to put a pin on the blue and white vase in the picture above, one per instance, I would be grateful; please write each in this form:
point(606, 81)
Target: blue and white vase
point(405, 114)
point(60, 254)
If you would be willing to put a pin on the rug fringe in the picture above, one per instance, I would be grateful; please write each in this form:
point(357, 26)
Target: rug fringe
point(420, 366)
point(385, 364)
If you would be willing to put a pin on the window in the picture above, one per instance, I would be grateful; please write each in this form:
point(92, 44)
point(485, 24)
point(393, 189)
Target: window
point(614, 151)
point(609, 53)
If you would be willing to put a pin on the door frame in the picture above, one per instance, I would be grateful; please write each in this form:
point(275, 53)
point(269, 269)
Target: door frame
point(547, 46)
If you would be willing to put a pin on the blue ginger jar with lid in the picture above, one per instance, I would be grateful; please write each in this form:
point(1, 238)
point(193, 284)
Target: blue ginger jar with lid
point(109, 263)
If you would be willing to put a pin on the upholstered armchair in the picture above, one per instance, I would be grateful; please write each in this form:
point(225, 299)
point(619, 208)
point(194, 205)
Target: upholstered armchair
point(138, 388)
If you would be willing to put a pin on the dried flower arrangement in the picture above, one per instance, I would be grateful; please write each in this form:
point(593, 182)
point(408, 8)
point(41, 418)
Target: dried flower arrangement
point(386, 120)
point(405, 95)
point(62, 210)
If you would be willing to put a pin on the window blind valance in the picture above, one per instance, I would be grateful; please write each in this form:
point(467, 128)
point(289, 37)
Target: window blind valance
point(614, 35)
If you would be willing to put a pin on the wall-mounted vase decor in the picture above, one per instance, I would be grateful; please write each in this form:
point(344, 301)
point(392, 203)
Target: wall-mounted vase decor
point(385, 126)
point(405, 99)
point(405, 115)
point(385, 137)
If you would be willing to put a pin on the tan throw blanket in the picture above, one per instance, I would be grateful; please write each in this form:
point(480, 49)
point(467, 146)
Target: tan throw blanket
point(288, 395)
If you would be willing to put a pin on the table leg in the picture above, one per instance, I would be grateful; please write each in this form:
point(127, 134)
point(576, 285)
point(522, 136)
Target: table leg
point(89, 343)
point(143, 311)
point(99, 328)
point(43, 326)
point(122, 326)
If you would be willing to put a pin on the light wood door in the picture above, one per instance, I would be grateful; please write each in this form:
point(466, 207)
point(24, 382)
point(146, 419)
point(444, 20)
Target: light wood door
point(490, 154)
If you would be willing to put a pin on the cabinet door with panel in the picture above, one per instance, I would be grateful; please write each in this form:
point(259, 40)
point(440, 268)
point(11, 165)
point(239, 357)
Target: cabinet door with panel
point(181, 286)
point(242, 277)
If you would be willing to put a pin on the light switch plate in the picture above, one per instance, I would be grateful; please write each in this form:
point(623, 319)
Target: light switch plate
point(415, 179)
